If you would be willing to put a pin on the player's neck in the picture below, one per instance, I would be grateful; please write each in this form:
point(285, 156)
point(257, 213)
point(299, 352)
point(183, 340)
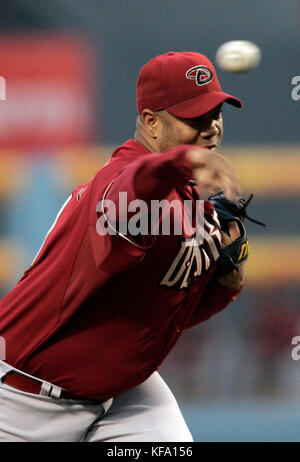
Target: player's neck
point(142, 136)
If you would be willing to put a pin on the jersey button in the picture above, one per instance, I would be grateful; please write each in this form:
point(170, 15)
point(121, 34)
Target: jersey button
point(178, 330)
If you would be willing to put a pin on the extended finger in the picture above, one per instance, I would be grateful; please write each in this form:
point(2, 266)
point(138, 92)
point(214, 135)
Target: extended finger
point(234, 230)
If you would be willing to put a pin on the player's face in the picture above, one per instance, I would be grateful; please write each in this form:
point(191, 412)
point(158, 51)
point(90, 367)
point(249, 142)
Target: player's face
point(206, 130)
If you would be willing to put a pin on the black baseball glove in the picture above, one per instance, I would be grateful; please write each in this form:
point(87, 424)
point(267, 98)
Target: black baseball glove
point(236, 253)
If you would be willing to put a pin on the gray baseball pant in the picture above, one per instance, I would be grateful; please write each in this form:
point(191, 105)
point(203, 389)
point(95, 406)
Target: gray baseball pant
point(145, 413)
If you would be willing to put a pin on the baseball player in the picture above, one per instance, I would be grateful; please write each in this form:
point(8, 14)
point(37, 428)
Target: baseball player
point(103, 302)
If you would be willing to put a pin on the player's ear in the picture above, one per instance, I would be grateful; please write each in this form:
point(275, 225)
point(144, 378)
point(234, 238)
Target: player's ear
point(151, 122)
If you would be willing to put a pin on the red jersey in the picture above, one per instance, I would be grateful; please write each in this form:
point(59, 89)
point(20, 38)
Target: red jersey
point(97, 314)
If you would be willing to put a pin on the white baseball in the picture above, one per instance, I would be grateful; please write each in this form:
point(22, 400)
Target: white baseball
point(238, 56)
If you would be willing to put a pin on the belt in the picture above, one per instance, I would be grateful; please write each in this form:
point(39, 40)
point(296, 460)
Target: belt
point(32, 385)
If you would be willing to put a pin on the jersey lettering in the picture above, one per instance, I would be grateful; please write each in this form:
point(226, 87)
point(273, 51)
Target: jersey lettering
point(192, 259)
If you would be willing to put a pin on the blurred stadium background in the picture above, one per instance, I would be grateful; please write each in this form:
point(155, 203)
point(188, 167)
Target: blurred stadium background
point(71, 69)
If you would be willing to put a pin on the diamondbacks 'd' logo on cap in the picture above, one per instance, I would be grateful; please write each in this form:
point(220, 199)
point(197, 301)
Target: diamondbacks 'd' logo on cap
point(201, 74)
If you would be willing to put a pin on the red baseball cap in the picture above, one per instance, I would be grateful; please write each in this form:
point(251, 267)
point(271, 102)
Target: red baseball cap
point(183, 83)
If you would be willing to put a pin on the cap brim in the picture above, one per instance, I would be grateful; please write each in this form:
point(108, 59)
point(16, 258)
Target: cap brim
point(202, 104)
